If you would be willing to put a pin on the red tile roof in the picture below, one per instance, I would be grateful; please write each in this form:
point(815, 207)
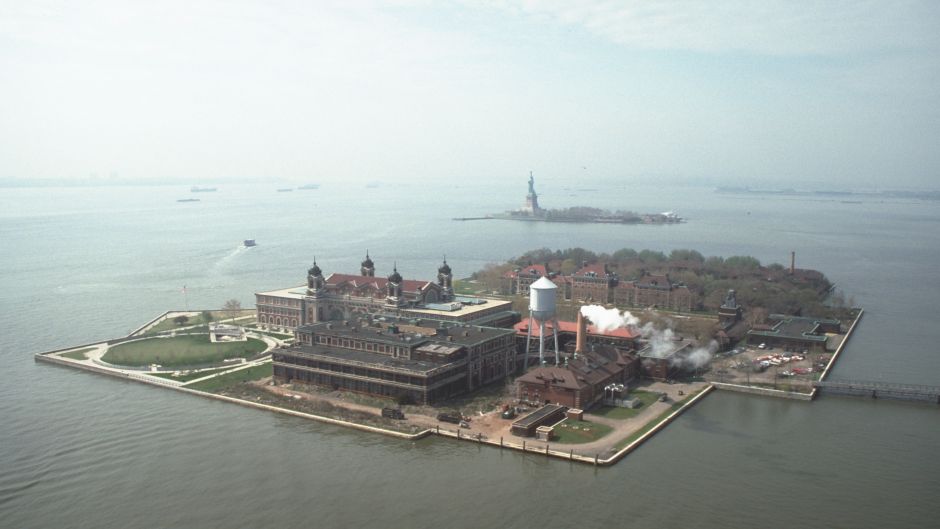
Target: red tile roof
point(654, 280)
point(597, 269)
point(357, 281)
point(556, 376)
point(531, 270)
point(569, 326)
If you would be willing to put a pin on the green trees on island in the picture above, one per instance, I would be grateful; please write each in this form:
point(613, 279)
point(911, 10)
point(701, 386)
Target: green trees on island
point(770, 287)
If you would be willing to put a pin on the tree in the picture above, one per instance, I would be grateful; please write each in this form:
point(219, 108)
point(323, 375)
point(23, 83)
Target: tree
point(181, 320)
point(232, 306)
point(686, 255)
point(756, 316)
point(650, 256)
point(742, 262)
point(206, 316)
point(624, 254)
point(569, 266)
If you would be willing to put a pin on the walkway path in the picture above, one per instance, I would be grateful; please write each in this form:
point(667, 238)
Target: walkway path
point(97, 352)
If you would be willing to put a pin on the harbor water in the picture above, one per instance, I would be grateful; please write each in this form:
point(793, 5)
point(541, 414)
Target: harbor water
point(81, 450)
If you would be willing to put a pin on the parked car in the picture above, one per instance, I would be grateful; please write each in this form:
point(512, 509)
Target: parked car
point(392, 413)
point(453, 418)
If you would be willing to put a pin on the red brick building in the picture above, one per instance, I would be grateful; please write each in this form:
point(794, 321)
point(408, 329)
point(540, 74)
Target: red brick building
point(593, 283)
point(579, 382)
point(653, 291)
point(342, 296)
point(596, 283)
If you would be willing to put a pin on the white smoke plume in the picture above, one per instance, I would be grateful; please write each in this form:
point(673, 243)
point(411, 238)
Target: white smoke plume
point(698, 357)
point(662, 342)
point(608, 319)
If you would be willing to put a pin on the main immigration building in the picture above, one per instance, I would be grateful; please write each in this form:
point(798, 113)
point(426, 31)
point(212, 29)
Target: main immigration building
point(389, 336)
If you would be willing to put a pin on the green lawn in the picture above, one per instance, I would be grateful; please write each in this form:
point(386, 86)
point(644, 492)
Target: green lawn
point(611, 412)
point(576, 432)
point(180, 351)
point(214, 385)
point(652, 423)
point(77, 355)
point(467, 287)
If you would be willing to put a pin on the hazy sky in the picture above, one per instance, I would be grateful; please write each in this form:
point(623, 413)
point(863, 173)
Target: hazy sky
point(752, 92)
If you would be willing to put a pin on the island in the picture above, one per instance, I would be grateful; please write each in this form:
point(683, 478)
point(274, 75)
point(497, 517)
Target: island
point(532, 212)
point(582, 356)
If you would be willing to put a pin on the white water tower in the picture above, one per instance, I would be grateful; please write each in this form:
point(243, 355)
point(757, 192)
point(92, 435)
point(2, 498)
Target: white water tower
point(542, 295)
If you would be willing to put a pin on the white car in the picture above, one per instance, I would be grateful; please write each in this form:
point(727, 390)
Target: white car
point(762, 346)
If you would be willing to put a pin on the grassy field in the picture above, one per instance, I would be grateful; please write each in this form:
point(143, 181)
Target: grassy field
point(576, 432)
point(180, 351)
point(77, 355)
point(468, 287)
point(214, 385)
point(611, 412)
point(651, 424)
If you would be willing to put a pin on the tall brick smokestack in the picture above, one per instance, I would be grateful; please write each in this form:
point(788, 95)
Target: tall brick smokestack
point(792, 263)
point(580, 343)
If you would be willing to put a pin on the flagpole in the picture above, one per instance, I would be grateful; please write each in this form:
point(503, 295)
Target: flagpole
point(185, 298)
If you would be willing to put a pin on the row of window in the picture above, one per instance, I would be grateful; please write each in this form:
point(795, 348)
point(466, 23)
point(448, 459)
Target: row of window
point(361, 371)
point(360, 345)
point(272, 300)
point(277, 321)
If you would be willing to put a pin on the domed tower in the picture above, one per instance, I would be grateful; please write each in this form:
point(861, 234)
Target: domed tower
point(445, 280)
point(368, 267)
point(315, 281)
point(393, 288)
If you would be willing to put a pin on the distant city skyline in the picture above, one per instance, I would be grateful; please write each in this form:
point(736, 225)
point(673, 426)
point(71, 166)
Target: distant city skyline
point(836, 94)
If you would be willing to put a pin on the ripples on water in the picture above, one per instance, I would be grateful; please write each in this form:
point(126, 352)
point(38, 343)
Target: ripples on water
point(80, 450)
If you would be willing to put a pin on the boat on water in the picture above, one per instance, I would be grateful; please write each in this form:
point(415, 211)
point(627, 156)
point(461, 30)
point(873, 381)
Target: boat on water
point(197, 189)
point(309, 186)
point(249, 243)
point(188, 200)
point(284, 190)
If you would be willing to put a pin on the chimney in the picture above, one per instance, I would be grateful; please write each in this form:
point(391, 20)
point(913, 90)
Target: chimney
point(792, 263)
point(580, 341)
